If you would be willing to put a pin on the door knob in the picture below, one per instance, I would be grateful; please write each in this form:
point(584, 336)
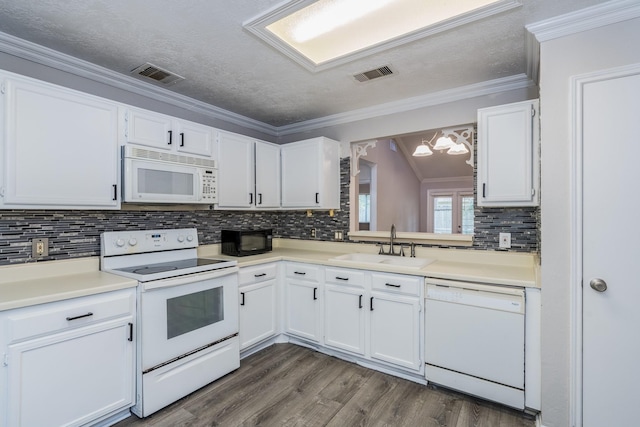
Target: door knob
point(598, 285)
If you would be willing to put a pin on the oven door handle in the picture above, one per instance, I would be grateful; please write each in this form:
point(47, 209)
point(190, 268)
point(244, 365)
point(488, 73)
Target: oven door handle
point(189, 278)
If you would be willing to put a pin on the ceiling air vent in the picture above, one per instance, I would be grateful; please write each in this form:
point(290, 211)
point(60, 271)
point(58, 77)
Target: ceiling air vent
point(373, 74)
point(156, 73)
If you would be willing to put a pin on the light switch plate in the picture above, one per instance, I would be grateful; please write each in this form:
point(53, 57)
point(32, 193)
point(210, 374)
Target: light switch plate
point(505, 240)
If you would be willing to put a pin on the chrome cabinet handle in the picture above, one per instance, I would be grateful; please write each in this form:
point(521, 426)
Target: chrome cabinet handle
point(598, 285)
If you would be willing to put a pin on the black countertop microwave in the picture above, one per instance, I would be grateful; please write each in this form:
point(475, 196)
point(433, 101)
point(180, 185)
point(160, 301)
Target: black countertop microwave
point(246, 242)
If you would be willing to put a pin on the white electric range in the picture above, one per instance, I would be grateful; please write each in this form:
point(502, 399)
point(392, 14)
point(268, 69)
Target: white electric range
point(187, 312)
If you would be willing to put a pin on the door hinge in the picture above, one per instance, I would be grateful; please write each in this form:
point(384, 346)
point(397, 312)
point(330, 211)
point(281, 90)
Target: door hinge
point(533, 111)
point(2, 88)
point(5, 359)
point(533, 191)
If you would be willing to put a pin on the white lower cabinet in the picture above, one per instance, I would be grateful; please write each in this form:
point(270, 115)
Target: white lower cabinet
point(395, 329)
point(68, 363)
point(258, 304)
point(395, 309)
point(375, 316)
point(303, 301)
point(345, 310)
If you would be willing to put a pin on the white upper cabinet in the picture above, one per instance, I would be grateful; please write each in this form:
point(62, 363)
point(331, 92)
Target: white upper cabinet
point(508, 155)
point(236, 179)
point(59, 147)
point(167, 133)
point(267, 175)
point(311, 174)
point(248, 172)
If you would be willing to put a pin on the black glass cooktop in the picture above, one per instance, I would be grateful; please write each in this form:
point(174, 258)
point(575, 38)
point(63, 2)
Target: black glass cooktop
point(170, 266)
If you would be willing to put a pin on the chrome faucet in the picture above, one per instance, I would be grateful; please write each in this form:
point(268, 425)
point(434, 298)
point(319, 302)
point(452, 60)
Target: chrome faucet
point(392, 249)
point(391, 239)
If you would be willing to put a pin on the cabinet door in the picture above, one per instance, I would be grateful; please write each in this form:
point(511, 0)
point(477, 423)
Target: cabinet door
point(508, 155)
point(193, 138)
point(149, 128)
point(300, 175)
point(61, 148)
point(71, 378)
point(258, 313)
point(344, 320)
point(395, 329)
point(267, 175)
point(236, 181)
point(303, 316)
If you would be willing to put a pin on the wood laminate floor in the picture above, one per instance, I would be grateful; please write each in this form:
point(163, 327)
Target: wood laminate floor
point(289, 385)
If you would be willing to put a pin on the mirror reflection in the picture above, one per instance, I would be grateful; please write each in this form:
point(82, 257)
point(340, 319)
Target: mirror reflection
point(421, 182)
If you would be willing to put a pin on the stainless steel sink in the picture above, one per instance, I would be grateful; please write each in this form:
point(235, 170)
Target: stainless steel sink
point(407, 262)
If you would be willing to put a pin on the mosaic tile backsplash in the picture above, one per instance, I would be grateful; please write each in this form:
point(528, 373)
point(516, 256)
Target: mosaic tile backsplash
point(74, 234)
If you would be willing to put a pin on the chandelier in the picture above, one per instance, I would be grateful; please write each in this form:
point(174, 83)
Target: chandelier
point(455, 141)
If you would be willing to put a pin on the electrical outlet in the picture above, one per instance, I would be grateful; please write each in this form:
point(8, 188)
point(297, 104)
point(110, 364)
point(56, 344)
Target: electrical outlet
point(313, 232)
point(505, 240)
point(338, 235)
point(39, 247)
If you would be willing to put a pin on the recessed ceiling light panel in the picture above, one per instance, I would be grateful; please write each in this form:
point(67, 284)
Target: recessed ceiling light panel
point(320, 34)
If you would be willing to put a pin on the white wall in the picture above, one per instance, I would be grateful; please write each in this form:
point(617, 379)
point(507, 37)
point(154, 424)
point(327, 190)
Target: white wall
point(398, 189)
point(606, 47)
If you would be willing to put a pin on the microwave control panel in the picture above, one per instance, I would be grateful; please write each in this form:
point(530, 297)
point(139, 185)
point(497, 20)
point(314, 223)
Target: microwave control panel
point(209, 185)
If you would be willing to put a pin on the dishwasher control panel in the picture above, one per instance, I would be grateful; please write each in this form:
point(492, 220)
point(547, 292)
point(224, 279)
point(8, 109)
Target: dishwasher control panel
point(513, 301)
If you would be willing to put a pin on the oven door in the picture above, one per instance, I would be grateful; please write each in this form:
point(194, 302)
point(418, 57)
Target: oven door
point(182, 314)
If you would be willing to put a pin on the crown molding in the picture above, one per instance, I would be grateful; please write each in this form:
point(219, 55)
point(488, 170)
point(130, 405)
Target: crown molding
point(490, 87)
point(42, 55)
point(584, 19)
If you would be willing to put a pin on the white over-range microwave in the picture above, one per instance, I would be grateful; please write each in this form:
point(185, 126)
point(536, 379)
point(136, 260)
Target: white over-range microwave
point(150, 176)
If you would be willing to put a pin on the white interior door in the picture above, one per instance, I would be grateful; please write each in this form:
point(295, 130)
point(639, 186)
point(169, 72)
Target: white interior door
point(611, 204)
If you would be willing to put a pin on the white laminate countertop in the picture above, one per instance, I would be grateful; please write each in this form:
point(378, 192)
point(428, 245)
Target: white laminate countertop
point(498, 268)
point(42, 282)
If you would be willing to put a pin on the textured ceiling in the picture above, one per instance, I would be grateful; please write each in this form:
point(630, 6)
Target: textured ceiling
point(225, 66)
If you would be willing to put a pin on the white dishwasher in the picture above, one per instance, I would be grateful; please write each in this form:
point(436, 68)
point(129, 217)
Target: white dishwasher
point(474, 339)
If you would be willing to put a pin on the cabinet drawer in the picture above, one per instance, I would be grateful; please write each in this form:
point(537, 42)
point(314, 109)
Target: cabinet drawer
point(303, 271)
point(56, 316)
point(260, 273)
point(407, 285)
point(343, 276)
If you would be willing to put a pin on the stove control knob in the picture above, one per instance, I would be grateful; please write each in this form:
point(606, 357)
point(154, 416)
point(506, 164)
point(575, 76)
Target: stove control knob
point(120, 243)
point(190, 238)
point(133, 242)
point(180, 238)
